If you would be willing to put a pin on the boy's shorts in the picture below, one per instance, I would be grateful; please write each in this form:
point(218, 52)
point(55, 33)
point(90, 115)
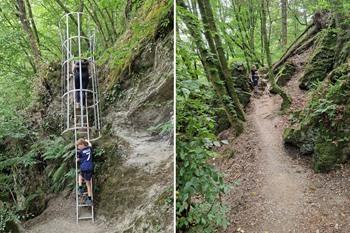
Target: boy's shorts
point(86, 175)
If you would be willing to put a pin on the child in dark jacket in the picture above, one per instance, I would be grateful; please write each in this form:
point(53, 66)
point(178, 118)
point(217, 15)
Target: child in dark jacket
point(254, 76)
point(86, 167)
point(84, 80)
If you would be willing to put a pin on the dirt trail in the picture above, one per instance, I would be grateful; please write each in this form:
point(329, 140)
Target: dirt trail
point(282, 188)
point(277, 190)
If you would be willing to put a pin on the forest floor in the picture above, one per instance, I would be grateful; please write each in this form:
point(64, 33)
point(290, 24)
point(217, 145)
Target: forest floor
point(274, 189)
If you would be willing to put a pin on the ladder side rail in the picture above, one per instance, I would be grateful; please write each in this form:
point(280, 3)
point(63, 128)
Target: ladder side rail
point(97, 90)
point(80, 73)
point(92, 198)
point(67, 77)
point(76, 178)
point(63, 86)
point(87, 120)
point(93, 78)
point(70, 55)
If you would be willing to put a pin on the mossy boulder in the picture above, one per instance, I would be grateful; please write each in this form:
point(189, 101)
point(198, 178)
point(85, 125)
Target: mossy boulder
point(323, 126)
point(339, 72)
point(241, 80)
point(327, 156)
point(304, 139)
point(285, 73)
point(322, 59)
point(222, 121)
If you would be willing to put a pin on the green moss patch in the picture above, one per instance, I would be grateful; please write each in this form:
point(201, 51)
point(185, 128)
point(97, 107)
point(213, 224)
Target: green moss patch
point(323, 126)
point(322, 59)
point(141, 30)
point(285, 73)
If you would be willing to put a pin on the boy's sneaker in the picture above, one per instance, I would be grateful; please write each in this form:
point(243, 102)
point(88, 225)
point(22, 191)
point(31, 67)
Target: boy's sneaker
point(80, 191)
point(88, 201)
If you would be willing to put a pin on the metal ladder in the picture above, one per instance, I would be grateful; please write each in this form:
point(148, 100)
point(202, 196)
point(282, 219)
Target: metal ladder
point(75, 48)
point(82, 131)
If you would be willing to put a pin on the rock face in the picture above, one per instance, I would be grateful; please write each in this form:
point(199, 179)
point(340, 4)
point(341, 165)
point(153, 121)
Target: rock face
point(241, 80)
point(322, 128)
point(135, 179)
point(285, 73)
point(242, 85)
point(322, 59)
point(147, 89)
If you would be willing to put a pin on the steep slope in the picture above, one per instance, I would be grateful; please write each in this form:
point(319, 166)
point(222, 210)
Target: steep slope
point(134, 158)
point(321, 128)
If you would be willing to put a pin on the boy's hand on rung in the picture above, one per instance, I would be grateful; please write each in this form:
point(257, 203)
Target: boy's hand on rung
point(88, 142)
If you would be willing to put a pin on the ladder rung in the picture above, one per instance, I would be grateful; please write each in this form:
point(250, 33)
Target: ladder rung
point(84, 205)
point(90, 217)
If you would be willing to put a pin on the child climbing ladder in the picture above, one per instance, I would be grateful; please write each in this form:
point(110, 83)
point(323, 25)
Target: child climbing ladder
point(84, 157)
point(80, 102)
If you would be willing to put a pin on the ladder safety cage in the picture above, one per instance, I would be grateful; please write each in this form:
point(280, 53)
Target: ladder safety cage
point(79, 95)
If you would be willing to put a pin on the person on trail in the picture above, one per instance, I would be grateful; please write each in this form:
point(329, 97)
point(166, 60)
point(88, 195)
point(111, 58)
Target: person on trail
point(84, 79)
point(254, 77)
point(84, 156)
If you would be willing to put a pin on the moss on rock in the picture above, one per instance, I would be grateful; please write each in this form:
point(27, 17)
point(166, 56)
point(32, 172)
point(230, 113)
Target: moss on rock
point(322, 59)
point(241, 80)
point(327, 155)
point(285, 73)
point(323, 127)
point(304, 139)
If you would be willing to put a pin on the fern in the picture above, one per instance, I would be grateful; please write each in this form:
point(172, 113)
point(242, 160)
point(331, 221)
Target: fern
point(57, 176)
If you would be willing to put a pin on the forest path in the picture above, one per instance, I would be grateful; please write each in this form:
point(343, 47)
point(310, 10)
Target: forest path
point(274, 188)
point(282, 187)
point(283, 184)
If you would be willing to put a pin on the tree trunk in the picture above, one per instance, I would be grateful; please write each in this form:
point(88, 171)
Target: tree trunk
point(211, 29)
point(128, 9)
point(110, 18)
point(274, 87)
point(32, 22)
point(210, 68)
point(252, 22)
point(307, 35)
point(284, 23)
point(266, 42)
point(33, 42)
